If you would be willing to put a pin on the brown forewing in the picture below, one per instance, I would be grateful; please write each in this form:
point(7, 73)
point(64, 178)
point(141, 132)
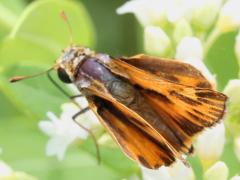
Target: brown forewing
point(99, 90)
point(136, 143)
point(170, 70)
point(201, 106)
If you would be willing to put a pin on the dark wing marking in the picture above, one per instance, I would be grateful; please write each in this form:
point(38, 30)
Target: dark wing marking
point(136, 143)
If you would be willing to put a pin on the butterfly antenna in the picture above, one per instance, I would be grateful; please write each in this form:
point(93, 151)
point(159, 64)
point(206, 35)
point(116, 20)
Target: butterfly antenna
point(20, 78)
point(65, 18)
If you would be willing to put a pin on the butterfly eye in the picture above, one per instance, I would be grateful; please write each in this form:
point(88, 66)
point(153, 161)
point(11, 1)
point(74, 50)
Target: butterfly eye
point(62, 74)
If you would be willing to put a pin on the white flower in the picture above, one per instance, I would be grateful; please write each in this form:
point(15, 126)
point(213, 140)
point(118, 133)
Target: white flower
point(218, 171)
point(235, 178)
point(237, 147)
point(205, 13)
point(5, 170)
point(156, 41)
point(178, 171)
point(148, 12)
point(210, 144)
point(64, 131)
point(190, 50)
point(179, 9)
point(232, 90)
point(229, 18)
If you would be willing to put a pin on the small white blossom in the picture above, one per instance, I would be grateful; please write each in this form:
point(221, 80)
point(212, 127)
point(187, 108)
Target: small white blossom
point(156, 41)
point(210, 144)
point(237, 147)
point(235, 178)
point(64, 131)
point(148, 12)
point(218, 171)
point(190, 50)
point(179, 9)
point(178, 171)
point(205, 13)
point(229, 18)
point(232, 90)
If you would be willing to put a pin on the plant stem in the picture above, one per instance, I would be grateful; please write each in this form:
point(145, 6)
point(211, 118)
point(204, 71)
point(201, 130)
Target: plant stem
point(211, 39)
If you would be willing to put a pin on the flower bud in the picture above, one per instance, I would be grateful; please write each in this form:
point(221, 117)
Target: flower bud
point(232, 90)
point(235, 178)
point(237, 147)
point(205, 13)
point(218, 171)
point(190, 50)
point(148, 12)
point(177, 171)
point(229, 18)
point(210, 144)
point(156, 41)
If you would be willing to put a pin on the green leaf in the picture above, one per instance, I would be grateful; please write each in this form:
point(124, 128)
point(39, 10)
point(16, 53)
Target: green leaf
point(33, 97)
point(9, 12)
point(221, 59)
point(40, 33)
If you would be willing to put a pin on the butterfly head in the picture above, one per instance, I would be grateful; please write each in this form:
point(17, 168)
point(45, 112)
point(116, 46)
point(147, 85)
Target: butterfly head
point(69, 61)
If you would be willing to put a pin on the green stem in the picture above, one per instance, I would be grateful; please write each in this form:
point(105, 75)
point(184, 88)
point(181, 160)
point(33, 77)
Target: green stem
point(211, 39)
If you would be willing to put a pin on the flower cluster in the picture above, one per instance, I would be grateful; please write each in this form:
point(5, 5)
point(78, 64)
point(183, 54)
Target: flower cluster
point(186, 30)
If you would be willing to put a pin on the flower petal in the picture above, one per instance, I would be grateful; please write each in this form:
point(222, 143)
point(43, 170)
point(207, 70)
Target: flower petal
point(56, 147)
point(229, 18)
point(237, 147)
point(5, 170)
point(148, 12)
point(190, 50)
point(47, 127)
point(218, 171)
point(210, 144)
point(156, 41)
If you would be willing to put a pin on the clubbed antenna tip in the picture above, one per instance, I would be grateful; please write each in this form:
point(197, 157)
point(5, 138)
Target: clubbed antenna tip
point(65, 18)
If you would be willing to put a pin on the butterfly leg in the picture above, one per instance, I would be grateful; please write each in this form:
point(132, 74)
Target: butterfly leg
point(88, 130)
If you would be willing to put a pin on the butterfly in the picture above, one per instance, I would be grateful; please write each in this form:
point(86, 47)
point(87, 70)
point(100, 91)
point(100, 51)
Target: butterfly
point(152, 107)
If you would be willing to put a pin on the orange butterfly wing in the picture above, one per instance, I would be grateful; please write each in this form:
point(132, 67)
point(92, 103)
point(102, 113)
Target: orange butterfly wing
point(185, 109)
point(170, 70)
point(136, 143)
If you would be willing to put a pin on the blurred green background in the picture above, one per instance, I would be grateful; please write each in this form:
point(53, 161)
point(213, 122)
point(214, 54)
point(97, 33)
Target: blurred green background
point(32, 35)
